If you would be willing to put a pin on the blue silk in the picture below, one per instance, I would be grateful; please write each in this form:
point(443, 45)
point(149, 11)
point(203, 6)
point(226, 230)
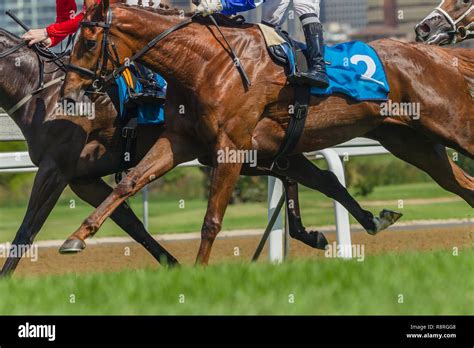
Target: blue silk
point(348, 71)
point(147, 114)
point(234, 6)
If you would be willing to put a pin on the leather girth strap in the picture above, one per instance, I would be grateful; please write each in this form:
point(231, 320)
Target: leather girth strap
point(129, 136)
point(295, 126)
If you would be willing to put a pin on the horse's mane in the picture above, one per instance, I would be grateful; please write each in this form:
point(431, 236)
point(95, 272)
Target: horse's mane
point(165, 10)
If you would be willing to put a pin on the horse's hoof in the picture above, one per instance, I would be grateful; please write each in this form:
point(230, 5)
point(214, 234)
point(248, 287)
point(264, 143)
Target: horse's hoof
point(315, 240)
point(72, 246)
point(392, 216)
point(385, 219)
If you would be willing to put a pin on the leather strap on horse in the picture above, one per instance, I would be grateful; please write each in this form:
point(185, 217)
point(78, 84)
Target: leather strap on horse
point(28, 97)
point(147, 47)
point(40, 49)
point(233, 55)
point(129, 134)
point(295, 126)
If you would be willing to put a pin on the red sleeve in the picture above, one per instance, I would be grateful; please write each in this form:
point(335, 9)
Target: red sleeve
point(59, 31)
point(65, 9)
point(67, 22)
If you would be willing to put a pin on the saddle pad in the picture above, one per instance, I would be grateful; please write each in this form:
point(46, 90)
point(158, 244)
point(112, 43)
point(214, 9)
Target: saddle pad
point(354, 69)
point(270, 35)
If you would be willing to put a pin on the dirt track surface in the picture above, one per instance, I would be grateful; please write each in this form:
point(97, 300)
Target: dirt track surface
point(129, 255)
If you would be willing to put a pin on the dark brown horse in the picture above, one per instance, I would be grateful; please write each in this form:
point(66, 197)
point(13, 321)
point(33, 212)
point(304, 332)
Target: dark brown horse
point(451, 22)
point(222, 114)
point(73, 151)
point(78, 151)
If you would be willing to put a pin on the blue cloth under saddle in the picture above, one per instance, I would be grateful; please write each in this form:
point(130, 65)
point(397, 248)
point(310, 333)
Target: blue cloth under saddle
point(146, 114)
point(354, 69)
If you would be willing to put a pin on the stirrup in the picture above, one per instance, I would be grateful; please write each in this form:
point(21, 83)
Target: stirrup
point(302, 78)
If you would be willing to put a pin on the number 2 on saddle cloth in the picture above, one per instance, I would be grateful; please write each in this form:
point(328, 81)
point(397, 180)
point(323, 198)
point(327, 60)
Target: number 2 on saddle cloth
point(141, 94)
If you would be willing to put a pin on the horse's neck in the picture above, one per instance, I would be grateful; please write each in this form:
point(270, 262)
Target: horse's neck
point(22, 80)
point(172, 57)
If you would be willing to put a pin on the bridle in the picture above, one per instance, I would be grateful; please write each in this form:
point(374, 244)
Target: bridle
point(462, 31)
point(100, 76)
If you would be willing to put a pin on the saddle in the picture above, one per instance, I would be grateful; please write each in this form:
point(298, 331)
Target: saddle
point(283, 49)
point(237, 21)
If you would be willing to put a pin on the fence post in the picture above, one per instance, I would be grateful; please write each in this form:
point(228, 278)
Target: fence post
point(343, 229)
point(275, 247)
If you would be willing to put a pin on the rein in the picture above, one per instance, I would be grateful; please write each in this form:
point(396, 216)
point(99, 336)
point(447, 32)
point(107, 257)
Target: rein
point(234, 56)
point(463, 31)
point(41, 85)
point(40, 52)
point(13, 49)
point(27, 98)
point(148, 47)
point(99, 76)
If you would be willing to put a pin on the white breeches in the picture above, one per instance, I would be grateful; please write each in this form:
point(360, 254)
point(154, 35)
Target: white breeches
point(274, 10)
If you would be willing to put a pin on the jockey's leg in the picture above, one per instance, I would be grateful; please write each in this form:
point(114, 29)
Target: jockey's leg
point(273, 12)
point(308, 12)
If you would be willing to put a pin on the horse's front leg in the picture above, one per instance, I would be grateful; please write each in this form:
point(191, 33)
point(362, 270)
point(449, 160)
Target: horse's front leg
point(95, 192)
point(169, 151)
point(47, 188)
point(223, 180)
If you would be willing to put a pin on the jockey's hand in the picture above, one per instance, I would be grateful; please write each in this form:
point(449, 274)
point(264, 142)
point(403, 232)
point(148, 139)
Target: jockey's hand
point(35, 36)
point(207, 7)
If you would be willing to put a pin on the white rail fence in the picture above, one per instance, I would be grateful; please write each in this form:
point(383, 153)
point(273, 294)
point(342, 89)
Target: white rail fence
point(19, 162)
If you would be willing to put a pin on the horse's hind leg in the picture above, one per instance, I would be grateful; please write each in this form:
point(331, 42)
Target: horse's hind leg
point(423, 153)
point(95, 192)
point(169, 151)
point(295, 224)
point(306, 173)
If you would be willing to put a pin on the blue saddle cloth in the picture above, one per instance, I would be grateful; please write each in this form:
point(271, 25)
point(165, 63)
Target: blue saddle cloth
point(354, 69)
point(146, 114)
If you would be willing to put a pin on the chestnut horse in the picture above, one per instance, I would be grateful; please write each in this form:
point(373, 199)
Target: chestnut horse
point(449, 23)
point(78, 151)
point(220, 113)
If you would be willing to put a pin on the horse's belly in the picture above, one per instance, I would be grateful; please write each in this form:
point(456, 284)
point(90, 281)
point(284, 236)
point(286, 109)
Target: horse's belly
point(330, 122)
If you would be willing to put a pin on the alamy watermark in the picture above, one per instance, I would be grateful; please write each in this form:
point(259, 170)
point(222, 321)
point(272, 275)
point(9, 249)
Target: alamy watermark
point(400, 109)
point(79, 109)
point(28, 330)
point(228, 155)
point(20, 250)
point(335, 250)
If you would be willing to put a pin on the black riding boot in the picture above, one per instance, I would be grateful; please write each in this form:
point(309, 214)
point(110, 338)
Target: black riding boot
point(316, 75)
